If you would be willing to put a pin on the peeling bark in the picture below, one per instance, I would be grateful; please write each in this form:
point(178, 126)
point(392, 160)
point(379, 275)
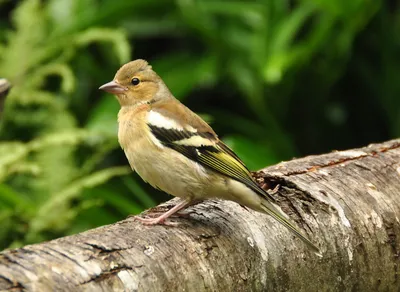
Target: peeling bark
point(347, 202)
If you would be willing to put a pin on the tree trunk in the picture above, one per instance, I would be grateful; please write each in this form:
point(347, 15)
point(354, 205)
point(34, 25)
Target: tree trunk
point(347, 202)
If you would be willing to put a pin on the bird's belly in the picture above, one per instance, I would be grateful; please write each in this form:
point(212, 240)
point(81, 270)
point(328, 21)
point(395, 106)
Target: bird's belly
point(170, 172)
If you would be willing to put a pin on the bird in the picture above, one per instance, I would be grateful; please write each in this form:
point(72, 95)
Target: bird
point(175, 150)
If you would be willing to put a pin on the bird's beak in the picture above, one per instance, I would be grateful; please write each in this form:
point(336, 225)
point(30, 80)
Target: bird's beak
point(113, 87)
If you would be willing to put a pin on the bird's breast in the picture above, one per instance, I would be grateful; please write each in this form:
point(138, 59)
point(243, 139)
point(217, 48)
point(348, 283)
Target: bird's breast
point(131, 125)
point(160, 166)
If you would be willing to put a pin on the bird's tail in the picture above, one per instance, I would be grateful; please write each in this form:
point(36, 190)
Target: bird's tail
point(270, 209)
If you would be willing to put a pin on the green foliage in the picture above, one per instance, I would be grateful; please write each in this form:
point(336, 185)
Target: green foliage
point(276, 78)
point(48, 160)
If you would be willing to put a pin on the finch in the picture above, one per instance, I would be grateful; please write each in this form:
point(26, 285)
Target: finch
point(174, 150)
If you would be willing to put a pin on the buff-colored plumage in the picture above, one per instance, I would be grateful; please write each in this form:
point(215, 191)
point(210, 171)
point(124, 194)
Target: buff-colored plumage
point(174, 150)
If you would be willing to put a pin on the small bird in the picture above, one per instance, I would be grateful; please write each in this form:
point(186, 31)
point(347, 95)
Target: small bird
point(174, 150)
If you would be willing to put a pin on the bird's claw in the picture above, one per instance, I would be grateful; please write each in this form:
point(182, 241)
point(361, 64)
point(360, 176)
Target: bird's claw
point(155, 221)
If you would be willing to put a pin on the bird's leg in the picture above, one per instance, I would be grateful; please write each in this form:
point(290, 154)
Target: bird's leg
point(161, 219)
point(183, 214)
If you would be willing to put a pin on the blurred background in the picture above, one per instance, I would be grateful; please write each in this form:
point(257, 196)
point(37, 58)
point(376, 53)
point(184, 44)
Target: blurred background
point(276, 79)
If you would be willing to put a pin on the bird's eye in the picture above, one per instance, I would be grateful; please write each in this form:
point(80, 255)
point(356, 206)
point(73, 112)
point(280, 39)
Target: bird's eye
point(135, 81)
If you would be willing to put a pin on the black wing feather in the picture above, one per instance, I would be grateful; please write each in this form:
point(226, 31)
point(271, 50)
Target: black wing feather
point(218, 157)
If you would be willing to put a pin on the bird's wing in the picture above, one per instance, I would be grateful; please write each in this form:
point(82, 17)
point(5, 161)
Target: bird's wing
point(195, 139)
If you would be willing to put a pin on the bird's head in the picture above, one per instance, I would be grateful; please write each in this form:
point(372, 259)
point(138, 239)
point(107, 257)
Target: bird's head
point(136, 83)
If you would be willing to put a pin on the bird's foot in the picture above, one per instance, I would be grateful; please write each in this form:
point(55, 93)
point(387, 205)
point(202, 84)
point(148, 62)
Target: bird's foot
point(162, 219)
point(155, 221)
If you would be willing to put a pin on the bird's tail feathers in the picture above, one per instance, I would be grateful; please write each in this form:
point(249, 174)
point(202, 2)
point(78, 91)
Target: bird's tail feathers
point(271, 210)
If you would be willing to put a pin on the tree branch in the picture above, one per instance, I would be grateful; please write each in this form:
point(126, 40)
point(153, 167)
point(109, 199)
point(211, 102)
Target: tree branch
point(347, 202)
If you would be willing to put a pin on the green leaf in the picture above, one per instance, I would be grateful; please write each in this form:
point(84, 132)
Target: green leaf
point(182, 73)
point(103, 117)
